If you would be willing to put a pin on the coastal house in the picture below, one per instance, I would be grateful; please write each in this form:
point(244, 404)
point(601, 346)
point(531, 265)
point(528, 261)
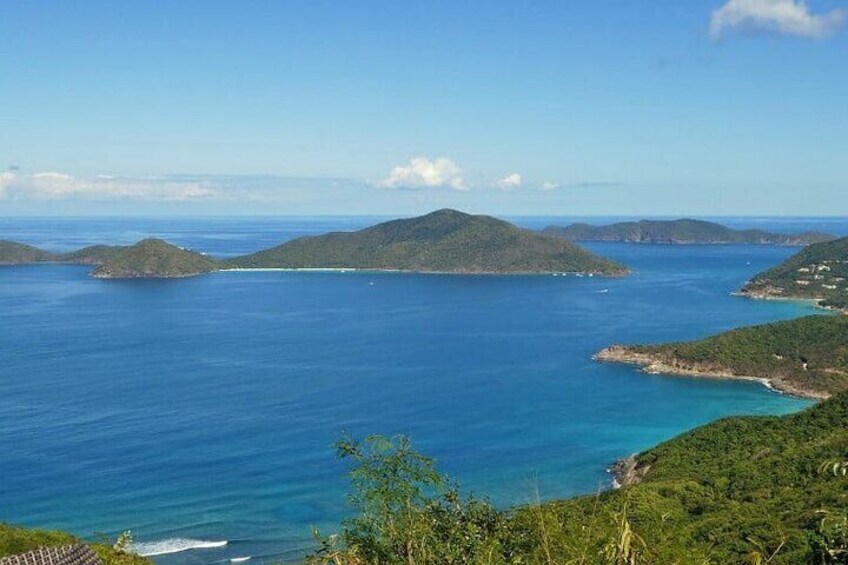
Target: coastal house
point(74, 554)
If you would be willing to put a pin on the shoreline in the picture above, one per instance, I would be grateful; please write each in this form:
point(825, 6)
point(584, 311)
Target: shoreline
point(580, 274)
point(653, 365)
point(814, 302)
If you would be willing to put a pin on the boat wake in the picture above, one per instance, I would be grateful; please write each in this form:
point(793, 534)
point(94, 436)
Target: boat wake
point(173, 545)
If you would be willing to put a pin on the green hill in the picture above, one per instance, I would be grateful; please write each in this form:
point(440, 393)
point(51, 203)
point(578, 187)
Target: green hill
point(684, 231)
point(153, 258)
point(443, 241)
point(817, 272)
point(807, 356)
point(749, 490)
point(14, 253)
point(92, 255)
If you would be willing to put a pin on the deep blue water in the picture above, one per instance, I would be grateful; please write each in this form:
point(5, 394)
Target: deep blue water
point(205, 408)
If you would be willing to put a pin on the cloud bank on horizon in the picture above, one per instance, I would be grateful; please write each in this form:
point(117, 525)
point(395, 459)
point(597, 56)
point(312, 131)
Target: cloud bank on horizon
point(788, 17)
point(53, 185)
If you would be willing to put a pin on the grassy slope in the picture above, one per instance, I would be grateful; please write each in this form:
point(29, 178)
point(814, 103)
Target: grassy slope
point(13, 253)
point(716, 493)
point(776, 351)
point(15, 540)
point(154, 258)
point(679, 231)
point(444, 241)
point(782, 280)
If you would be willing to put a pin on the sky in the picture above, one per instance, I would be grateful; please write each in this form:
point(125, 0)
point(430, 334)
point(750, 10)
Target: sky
point(510, 107)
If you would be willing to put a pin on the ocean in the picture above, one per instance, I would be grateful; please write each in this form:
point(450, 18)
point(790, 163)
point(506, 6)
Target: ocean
point(201, 413)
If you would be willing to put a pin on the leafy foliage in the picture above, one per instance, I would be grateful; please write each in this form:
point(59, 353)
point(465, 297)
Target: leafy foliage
point(740, 490)
point(443, 241)
point(679, 231)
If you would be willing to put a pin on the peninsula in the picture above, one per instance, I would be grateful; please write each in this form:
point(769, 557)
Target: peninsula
point(818, 272)
point(445, 241)
point(804, 357)
point(680, 232)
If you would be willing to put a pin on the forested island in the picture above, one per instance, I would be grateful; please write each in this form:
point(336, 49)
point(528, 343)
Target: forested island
point(445, 241)
point(818, 272)
point(680, 232)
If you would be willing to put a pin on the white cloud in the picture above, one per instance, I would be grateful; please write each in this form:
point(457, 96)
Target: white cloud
point(54, 185)
point(422, 172)
point(510, 182)
point(790, 17)
point(548, 185)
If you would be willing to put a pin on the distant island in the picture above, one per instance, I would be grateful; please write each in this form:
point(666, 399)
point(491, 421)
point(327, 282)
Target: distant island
point(680, 232)
point(445, 241)
point(14, 253)
point(818, 272)
point(149, 258)
point(153, 258)
point(803, 357)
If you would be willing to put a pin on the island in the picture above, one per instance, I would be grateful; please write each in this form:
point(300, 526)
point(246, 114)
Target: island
point(445, 241)
point(680, 232)
point(805, 357)
point(818, 272)
point(14, 253)
point(153, 258)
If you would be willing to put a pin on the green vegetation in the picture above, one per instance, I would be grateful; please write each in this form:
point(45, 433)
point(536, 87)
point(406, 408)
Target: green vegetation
point(15, 540)
point(13, 253)
point(806, 356)
point(443, 241)
point(154, 258)
point(740, 490)
point(92, 255)
point(680, 232)
point(818, 272)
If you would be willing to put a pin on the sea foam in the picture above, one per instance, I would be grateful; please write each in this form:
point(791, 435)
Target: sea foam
point(173, 545)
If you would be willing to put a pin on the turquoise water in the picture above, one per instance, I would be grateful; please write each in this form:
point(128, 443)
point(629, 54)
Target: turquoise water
point(205, 408)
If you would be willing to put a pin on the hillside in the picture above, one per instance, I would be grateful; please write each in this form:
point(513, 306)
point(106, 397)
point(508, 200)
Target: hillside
point(443, 241)
point(14, 253)
point(153, 258)
point(807, 356)
point(684, 231)
point(737, 491)
point(817, 272)
point(92, 255)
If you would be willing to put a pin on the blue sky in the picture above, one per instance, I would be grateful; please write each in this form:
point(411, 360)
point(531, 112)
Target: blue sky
point(702, 107)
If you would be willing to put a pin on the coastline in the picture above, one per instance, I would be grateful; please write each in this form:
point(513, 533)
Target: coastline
point(655, 365)
point(814, 302)
point(421, 272)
